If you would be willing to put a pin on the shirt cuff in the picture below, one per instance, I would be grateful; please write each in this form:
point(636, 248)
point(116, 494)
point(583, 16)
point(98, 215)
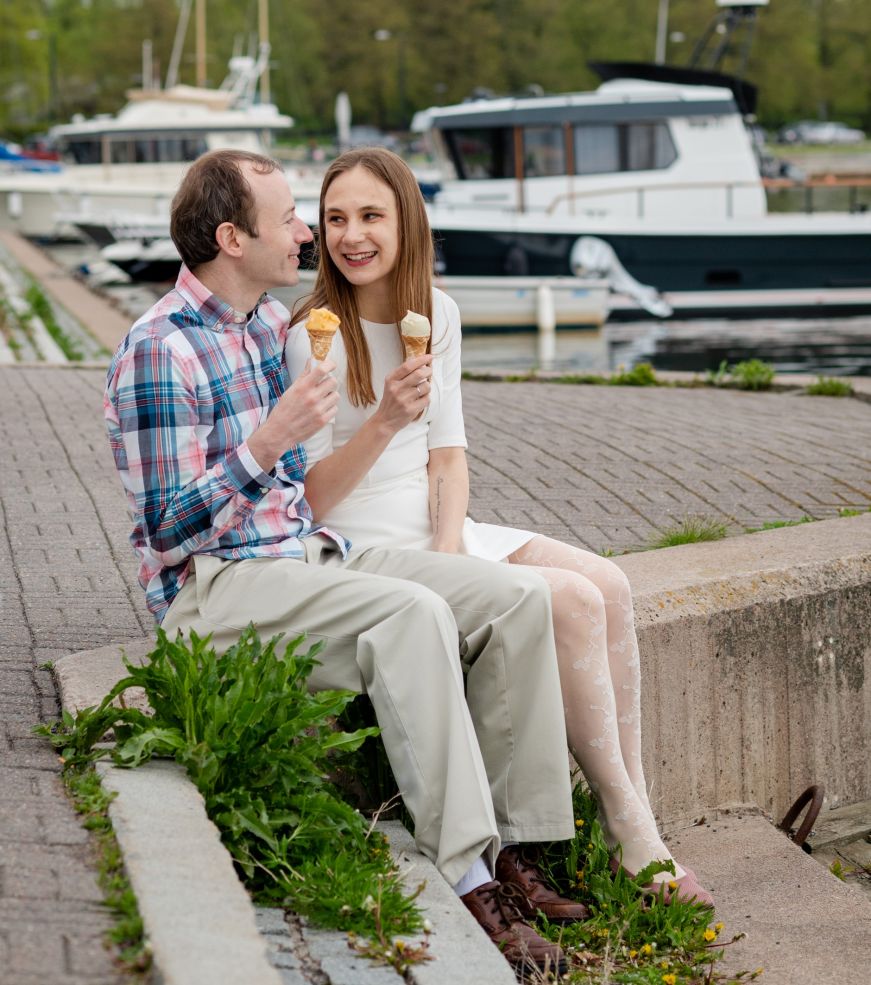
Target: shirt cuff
point(244, 472)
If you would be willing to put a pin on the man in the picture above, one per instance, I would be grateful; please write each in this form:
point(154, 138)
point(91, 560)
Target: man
point(207, 438)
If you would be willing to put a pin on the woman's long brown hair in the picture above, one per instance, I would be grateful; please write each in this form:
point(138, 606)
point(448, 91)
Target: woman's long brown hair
point(412, 275)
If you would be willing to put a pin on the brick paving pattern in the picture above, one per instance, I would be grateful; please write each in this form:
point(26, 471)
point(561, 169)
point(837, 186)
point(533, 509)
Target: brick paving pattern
point(602, 467)
point(62, 532)
point(608, 467)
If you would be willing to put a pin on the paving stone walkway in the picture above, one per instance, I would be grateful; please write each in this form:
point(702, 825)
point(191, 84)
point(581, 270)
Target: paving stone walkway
point(603, 467)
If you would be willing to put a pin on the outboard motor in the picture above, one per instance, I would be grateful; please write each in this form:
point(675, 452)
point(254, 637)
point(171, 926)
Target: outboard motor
point(593, 257)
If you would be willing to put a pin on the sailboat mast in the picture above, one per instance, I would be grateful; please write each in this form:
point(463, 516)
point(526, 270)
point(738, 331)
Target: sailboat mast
point(201, 42)
point(263, 20)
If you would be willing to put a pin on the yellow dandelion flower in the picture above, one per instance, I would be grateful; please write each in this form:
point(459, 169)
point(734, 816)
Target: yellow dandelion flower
point(633, 953)
point(669, 979)
point(719, 926)
point(646, 949)
point(672, 885)
point(710, 935)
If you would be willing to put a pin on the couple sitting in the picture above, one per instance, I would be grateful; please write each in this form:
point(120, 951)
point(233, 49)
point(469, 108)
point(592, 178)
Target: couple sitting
point(336, 505)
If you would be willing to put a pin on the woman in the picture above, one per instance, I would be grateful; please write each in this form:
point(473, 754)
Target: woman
point(391, 470)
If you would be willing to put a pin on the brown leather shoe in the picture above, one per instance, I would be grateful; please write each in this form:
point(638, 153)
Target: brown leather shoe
point(518, 866)
point(495, 907)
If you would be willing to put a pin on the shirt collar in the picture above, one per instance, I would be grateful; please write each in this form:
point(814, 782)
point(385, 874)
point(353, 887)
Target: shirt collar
point(214, 313)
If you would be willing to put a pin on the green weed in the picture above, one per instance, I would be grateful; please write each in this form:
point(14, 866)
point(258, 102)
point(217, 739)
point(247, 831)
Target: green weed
point(259, 747)
point(827, 386)
point(41, 307)
point(846, 511)
point(127, 932)
point(631, 937)
point(690, 530)
point(753, 374)
point(640, 375)
point(777, 524)
point(838, 870)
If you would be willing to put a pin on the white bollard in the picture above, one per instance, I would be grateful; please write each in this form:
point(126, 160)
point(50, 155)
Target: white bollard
point(546, 314)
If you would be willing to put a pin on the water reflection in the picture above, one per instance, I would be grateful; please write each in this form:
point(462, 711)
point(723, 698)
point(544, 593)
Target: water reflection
point(830, 347)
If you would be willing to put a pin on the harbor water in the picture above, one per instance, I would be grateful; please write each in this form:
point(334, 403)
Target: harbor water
point(830, 346)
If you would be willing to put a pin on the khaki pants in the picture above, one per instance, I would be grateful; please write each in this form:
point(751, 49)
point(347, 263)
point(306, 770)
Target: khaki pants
point(401, 626)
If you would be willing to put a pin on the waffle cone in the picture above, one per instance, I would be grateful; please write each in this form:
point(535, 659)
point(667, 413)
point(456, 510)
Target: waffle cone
point(415, 345)
point(320, 343)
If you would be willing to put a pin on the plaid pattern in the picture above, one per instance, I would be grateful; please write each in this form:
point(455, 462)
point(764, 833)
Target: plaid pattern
point(187, 387)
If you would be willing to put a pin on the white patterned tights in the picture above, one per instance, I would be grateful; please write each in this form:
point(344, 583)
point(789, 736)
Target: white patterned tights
point(600, 673)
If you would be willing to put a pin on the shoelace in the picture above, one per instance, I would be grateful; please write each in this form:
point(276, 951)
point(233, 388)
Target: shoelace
point(508, 899)
point(529, 858)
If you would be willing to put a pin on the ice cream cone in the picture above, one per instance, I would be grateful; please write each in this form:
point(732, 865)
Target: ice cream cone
point(321, 326)
point(415, 330)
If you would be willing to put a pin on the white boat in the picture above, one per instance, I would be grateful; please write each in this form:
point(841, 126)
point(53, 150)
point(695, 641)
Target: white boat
point(131, 163)
point(654, 179)
point(484, 302)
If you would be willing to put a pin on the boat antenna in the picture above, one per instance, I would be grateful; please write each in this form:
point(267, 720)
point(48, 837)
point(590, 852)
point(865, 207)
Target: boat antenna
point(734, 19)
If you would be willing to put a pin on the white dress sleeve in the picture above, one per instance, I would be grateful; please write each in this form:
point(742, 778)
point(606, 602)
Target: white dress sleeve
point(297, 352)
point(446, 428)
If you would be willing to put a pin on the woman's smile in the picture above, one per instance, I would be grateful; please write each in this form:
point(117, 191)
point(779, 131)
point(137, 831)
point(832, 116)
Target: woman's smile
point(360, 259)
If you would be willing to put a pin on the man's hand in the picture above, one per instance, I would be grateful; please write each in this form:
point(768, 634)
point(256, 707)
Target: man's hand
point(304, 408)
point(406, 393)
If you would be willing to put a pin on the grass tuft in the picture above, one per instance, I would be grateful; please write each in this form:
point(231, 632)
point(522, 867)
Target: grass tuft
point(127, 932)
point(827, 386)
point(41, 307)
point(690, 530)
point(752, 374)
point(777, 524)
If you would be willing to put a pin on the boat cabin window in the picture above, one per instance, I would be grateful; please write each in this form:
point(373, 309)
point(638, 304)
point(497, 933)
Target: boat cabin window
point(482, 153)
point(544, 151)
point(622, 147)
point(597, 149)
point(648, 146)
point(127, 149)
point(82, 151)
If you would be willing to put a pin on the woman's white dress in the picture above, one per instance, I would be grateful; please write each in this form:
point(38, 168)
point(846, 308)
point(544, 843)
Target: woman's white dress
point(390, 506)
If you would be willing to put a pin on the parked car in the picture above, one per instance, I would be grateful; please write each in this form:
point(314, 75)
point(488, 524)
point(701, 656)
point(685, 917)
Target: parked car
point(819, 132)
point(366, 136)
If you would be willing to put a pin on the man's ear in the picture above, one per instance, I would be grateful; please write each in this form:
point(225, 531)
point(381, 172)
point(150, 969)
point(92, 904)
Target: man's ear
point(228, 239)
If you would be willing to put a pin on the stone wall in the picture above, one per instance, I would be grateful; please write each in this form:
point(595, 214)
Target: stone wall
point(756, 664)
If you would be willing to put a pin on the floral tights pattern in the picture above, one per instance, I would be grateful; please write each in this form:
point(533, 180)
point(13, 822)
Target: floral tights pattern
point(600, 673)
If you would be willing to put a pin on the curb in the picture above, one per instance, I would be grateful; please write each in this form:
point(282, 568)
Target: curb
point(198, 917)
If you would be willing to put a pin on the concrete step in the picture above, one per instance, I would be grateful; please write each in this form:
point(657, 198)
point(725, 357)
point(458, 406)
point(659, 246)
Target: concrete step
point(803, 926)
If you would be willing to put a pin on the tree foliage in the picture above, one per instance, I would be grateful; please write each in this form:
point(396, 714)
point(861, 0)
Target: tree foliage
point(58, 57)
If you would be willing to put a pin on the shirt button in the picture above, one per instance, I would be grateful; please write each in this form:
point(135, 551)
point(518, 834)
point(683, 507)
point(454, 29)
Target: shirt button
point(263, 490)
point(239, 319)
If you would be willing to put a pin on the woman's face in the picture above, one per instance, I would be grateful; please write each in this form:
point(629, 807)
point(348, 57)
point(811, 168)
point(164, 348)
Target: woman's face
point(362, 227)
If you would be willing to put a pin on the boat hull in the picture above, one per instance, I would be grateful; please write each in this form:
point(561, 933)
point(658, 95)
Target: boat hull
point(728, 273)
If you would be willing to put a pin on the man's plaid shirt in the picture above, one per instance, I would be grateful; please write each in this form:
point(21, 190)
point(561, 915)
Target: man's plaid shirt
point(187, 387)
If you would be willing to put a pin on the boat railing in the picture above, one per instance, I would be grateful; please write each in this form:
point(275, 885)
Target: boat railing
point(643, 192)
point(809, 188)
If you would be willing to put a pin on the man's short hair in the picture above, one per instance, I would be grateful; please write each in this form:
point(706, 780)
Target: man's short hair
point(213, 191)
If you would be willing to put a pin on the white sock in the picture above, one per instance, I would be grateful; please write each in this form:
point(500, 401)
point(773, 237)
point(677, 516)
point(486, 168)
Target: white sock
point(476, 876)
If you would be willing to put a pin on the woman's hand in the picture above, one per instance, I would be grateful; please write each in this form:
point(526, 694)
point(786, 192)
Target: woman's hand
point(406, 393)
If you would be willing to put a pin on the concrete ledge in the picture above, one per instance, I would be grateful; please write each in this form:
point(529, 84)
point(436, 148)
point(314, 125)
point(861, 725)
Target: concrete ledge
point(756, 664)
point(85, 678)
point(198, 916)
point(462, 951)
